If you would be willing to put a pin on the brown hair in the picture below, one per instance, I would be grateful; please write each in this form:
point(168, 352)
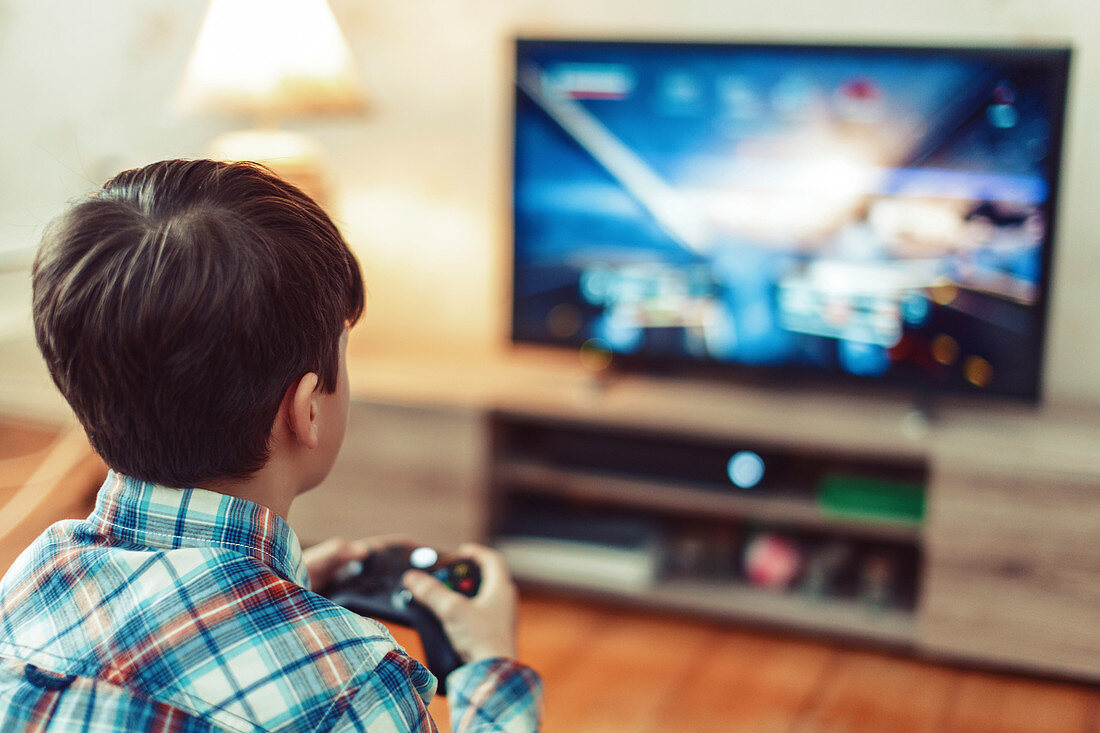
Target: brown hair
point(175, 307)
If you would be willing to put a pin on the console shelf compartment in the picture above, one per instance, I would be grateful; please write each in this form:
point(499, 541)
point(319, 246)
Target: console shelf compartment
point(735, 601)
point(782, 508)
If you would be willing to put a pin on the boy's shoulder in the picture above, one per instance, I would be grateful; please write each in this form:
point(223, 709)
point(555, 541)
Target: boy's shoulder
point(206, 629)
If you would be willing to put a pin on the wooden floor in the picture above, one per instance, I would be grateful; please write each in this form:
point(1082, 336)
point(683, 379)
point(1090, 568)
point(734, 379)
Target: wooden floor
point(609, 669)
point(46, 474)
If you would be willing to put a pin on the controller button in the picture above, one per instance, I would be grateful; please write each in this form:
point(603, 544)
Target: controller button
point(461, 570)
point(442, 575)
point(423, 557)
point(466, 585)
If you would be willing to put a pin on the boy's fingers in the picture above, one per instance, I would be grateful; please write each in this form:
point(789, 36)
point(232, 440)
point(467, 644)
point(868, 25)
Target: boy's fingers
point(330, 552)
point(337, 550)
point(329, 546)
point(351, 551)
point(433, 594)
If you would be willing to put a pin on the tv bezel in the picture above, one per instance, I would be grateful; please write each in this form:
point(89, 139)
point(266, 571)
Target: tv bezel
point(1056, 57)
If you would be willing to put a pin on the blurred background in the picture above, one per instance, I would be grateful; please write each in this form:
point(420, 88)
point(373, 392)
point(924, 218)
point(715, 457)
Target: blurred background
point(973, 542)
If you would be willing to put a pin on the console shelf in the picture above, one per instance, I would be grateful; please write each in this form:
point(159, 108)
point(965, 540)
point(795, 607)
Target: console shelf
point(782, 508)
point(658, 519)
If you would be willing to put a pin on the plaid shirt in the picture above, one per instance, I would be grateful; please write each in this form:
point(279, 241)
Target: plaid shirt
point(188, 610)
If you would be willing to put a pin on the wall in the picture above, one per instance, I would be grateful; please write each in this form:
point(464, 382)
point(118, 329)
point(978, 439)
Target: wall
point(87, 89)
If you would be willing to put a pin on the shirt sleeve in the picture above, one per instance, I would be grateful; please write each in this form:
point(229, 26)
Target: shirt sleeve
point(498, 695)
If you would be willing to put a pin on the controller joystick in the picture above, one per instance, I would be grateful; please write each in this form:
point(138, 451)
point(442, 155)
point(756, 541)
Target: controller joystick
point(373, 588)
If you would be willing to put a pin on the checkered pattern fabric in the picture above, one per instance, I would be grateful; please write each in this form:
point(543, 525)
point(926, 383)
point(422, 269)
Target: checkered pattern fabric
point(188, 610)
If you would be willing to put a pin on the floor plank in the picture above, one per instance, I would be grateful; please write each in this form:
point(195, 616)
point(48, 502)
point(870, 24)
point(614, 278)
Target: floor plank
point(22, 449)
point(625, 674)
point(987, 702)
point(18, 438)
point(747, 681)
point(871, 692)
point(554, 633)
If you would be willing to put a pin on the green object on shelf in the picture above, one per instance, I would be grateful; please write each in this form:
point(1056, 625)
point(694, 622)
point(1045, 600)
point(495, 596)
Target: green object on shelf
point(851, 494)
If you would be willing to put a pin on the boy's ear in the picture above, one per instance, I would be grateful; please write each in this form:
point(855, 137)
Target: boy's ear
point(300, 406)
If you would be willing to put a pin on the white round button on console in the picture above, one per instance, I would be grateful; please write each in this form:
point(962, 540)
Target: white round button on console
point(746, 469)
point(423, 557)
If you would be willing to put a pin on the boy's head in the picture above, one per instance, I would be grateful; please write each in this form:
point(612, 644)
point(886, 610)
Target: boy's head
point(177, 305)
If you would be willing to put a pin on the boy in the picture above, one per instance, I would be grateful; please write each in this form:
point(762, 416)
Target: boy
point(194, 314)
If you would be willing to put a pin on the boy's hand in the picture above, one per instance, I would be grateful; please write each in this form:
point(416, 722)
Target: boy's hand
point(324, 559)
point(482, 627)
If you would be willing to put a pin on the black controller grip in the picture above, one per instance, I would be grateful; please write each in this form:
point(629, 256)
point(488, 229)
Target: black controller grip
point(441, 655)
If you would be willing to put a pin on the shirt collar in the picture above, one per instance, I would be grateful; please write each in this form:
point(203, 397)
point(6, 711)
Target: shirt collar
point(161, 517)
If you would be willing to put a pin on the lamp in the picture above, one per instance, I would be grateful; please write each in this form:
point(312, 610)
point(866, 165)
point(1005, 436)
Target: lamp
point(266, 60)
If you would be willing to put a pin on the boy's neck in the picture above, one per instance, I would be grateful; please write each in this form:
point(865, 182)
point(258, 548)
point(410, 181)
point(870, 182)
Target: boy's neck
point(269, 487)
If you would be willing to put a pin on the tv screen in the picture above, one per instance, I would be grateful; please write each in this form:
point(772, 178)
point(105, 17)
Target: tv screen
point(876, 213)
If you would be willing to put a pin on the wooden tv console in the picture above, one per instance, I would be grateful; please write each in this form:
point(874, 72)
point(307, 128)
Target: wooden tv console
point(1009, 574)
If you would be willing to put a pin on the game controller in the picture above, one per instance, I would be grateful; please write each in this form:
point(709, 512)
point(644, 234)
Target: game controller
point(373, 588)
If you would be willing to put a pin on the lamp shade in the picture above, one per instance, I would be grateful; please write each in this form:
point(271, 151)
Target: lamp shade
point(271, 58)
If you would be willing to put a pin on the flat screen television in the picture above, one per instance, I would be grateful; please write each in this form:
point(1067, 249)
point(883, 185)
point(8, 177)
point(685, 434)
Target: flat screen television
point(856, 212)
